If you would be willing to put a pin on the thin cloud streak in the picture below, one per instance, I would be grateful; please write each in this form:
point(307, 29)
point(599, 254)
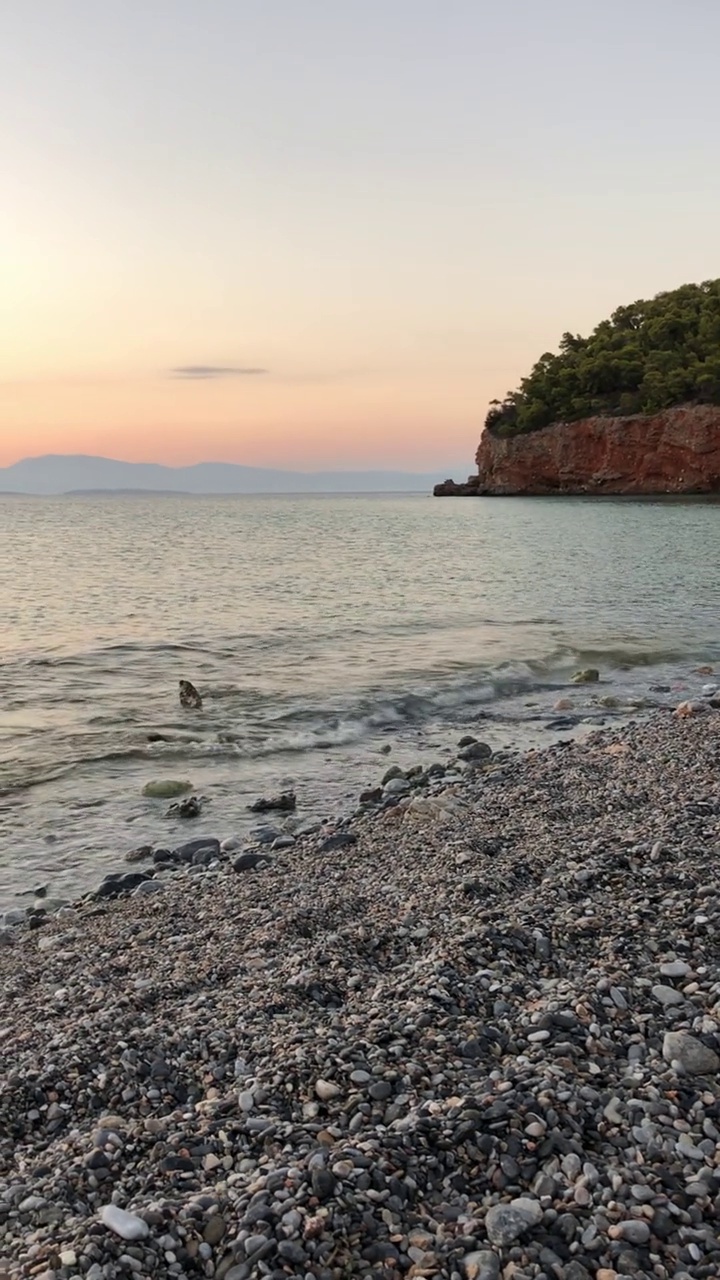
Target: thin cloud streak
point(191, 372)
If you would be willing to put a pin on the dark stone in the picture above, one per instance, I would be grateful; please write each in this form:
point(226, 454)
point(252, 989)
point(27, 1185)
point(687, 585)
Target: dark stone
point(185, 852)
point(291, 1251)
point(249, 861)
point(117, 882)
point(342, 840)
point(373, 795)
point(164, 856)
point(285, 802)
point(381, 1251)
point(177, 1164)
point(381, 1090)
point(96, 1160)
point(476, 751)
point(323, 1183)
point(191, 807)
point(451, 488)
point(576, 1271)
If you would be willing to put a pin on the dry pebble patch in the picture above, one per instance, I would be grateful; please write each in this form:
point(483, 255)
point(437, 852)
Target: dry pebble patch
point(479, 1040)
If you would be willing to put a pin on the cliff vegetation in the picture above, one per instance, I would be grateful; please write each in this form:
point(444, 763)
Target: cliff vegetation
point(647, 357)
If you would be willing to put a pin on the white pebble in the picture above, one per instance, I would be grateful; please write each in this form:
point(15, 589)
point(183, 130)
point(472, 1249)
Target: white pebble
point(326, 1090)
point(126, 1225)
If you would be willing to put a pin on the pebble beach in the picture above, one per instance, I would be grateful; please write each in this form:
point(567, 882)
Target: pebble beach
point(472, 1032)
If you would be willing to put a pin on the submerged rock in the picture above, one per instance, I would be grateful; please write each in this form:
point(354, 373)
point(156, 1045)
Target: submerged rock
point(137, 855)
point(191, 807)
point(589, 675)
point(285, 803)
point(166, 788)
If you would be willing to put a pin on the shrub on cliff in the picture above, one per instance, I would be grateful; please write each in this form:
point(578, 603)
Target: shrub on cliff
point(646, 357)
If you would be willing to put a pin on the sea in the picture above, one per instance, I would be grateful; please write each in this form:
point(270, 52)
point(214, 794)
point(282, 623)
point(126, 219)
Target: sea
point(328, 636)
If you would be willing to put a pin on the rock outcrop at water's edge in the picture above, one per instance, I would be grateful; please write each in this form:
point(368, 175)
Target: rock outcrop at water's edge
point(676, 451)
point(451, 488)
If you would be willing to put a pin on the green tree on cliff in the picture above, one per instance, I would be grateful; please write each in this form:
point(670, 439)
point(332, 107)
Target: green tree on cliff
point(648, 356)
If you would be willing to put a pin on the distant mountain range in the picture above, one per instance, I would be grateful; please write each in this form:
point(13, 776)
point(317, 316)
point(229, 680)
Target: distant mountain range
point(66, 473)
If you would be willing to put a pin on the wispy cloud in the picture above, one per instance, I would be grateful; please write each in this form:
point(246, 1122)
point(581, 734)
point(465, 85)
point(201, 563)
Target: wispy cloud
point(200, 371)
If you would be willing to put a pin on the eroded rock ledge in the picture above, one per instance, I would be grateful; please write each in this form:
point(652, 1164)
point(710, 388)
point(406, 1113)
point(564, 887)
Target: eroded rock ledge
point(676, 451)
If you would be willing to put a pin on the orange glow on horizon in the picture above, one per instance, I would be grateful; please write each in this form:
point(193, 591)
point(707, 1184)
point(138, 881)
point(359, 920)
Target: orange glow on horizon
point(365, 425)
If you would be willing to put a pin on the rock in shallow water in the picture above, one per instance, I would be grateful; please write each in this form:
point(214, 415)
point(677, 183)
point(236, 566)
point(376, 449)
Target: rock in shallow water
point(185, 852)
point(166, 788)
point(190, 807)
point(138, 855)
point(284, 803)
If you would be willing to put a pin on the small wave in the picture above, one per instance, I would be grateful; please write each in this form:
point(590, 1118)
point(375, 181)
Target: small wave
point(35, 778)
point(614, 657)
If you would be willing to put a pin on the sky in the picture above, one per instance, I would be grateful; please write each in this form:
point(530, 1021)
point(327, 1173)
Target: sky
point(325, 233)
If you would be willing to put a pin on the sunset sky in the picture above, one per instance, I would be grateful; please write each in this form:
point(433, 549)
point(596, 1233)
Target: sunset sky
point(324, 233)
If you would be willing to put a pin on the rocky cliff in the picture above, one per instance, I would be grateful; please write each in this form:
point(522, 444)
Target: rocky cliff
point(676, 451)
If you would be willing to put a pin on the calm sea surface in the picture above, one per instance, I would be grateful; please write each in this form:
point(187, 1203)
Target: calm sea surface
point(317, 629)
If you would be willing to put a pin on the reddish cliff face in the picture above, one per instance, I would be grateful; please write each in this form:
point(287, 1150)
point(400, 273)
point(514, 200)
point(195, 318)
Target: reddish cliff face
point(676, 451)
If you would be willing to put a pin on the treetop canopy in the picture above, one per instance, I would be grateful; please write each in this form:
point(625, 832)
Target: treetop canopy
point(648, 356)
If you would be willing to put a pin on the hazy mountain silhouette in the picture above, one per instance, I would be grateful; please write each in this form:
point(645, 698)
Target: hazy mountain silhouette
point(67, 473)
